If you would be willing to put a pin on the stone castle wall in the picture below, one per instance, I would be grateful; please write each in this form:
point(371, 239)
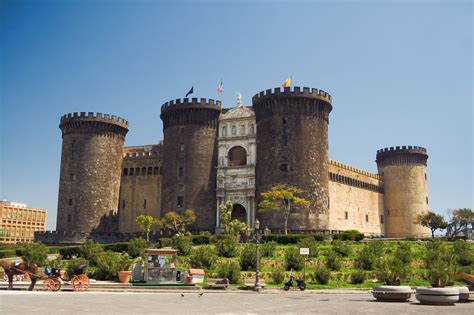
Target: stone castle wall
point(356, 200)
point(91, 162)
point(140, 186)
point(292, 144)
point(403, 170)
point(190, 159)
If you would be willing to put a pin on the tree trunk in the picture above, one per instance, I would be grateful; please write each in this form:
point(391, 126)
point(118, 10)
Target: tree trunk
point(432, 233)
point(286, 226)
point(147, 236)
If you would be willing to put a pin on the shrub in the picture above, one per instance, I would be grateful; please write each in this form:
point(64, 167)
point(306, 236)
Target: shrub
point(34, 253)
point(183, 244)
point(121, 247)
point(464, 254)
point(322, 275)
point(392, 270)
point(268, 249)
point(165, 242)
point(404, 253)
point(341, 248)
point(226, 245)
point(336, 237)
point(137, 246)
point(352, 235)
point(278, 276)
point(333, 261)
point(369, 255)
point(440, 262)
point(309, 242)
point(293, 259)
point(230, 270)
point(248, 257)
point(108, 264)
point(202, 238)
point(203, 257)
point(290, 238)
point(68, 252)
point(358, 277)
point(89, 250)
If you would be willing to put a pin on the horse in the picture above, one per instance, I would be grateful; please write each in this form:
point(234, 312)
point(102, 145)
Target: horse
point(11, 269)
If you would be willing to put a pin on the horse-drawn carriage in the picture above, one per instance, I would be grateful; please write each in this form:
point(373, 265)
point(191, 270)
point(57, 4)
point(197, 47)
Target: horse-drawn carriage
point(79, 281)
point(52, 279)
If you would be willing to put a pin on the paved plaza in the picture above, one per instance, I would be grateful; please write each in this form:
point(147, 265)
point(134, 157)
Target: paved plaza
point(23, 302)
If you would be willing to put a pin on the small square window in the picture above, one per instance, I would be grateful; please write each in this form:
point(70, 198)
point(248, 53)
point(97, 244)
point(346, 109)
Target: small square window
point(180, 202)
point(144, 203)
point(366, 218)
point(73, 177)
point(181, 171)
point(181, 147)
point(284, 167)
point(381, 219)
point(70, 202)
point(346, 215)
point(69, 218)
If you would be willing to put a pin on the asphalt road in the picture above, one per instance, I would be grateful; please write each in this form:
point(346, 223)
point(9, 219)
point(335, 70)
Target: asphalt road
point(22, 302)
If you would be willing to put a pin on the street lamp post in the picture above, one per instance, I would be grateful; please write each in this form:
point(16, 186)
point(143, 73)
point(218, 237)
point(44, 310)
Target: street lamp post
point(258, 286)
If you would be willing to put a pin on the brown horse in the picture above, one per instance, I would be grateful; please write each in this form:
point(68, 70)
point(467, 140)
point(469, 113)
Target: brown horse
point(20, 269)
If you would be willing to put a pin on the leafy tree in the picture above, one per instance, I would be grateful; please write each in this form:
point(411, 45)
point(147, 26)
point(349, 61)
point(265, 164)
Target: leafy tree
point(460, 220)
point(232, 227)
point(281, 198)
point(90, 249)
point(432, 221)
point(177, 223)
point(137, 247)
point(145, 222)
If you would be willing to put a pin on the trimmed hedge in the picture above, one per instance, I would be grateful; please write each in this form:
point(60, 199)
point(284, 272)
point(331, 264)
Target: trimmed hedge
point(352, 235)
point(69, 251)
point(290, 238)
point(121, 247)
point(201, 239)
point(6, 253)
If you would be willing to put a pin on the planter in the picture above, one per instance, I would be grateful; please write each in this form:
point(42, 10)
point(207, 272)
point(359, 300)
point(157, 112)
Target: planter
point(392, 293)
point(124, 276)
point(437, 296)
point(463, 294)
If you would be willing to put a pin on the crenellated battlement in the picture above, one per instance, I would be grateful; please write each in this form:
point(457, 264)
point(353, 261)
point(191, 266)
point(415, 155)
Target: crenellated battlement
point(203, 112)
point(404, 148)
point(191, 103)
point(353, 169)
point(295, 91)
point(143, 151)
point(401, 155)
point(91, 116)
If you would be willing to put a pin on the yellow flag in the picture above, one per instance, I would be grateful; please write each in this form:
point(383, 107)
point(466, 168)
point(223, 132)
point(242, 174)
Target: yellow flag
point(287, 83)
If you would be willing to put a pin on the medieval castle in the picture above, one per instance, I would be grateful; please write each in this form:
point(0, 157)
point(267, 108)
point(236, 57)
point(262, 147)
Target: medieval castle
point(210, 155)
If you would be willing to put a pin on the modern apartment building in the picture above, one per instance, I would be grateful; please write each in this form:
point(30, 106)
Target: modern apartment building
point(19, 223)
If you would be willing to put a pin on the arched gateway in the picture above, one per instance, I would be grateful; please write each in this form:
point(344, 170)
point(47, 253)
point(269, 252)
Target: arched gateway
point(239, 213)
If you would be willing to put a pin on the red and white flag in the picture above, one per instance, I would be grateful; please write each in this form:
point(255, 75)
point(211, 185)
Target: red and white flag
point(219, 89)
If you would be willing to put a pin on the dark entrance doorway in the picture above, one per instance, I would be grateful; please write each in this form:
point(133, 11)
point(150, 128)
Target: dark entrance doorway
point(239, 213)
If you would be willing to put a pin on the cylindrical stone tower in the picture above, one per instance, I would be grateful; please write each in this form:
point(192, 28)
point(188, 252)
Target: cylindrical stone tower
point(190, 159)
point(292, 141)
point(405, 184)
point(91, 162)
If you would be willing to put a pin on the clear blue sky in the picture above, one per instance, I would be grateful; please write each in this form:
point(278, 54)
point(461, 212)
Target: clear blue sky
point(400, 73)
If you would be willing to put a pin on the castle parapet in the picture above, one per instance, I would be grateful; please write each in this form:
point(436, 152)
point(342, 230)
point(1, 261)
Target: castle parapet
point(295, 91)
point(93, 123)
point(190, 103)
point(354, 169)
point(194, 111)
point(401, 155)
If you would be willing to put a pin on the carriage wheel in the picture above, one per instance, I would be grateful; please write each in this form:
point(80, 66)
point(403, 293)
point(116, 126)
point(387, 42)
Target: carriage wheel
point(80, 282)
point(51, 284)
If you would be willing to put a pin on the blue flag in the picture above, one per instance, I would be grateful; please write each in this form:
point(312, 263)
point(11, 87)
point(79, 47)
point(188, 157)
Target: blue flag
point(190, 91)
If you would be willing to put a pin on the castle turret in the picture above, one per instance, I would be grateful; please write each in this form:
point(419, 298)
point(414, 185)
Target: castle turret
point(405, 183)
point(292, 142)
point(190, 158)
point(91, 162)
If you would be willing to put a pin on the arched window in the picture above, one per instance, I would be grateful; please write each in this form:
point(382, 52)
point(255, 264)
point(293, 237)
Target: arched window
point(234, 130)
point(137, 171)
point(156, 170)
point(143, 171)
point(131, 171)
point(125, 171)
point(237, 156)
point(150, 170)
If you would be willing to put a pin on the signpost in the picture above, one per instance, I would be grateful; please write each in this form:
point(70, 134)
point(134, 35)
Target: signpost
point(304, 251)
